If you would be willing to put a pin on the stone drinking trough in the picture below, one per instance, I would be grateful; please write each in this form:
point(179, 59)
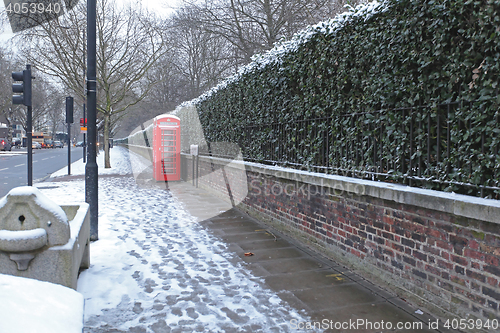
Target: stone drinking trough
point(42, 240)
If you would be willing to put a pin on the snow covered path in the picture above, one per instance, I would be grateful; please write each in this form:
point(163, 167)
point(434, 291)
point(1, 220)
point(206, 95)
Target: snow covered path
point(154, 269)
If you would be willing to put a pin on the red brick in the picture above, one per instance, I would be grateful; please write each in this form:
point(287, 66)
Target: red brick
point(476, 275)
point(459, 260)
point(492, 260)
point(388, 235)
point(387, 219)
point(491, 240)
point(431, 250)
point(433, 270)
point(476, 299)
point(445, 264)
point(474, 254)
point(444, 245)
point(473, 244)
point(457, 280)
point(492, 281)
point(397, 247)
point(388, 252)
point(446, 227)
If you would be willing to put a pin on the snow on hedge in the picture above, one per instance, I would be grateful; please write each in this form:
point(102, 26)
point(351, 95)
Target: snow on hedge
point(284, 47)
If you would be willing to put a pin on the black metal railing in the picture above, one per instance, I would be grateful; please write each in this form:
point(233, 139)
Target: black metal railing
point(447, 147)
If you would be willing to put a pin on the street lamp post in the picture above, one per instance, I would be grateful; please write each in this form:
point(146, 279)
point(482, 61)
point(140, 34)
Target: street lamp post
point(84, 102)
point(91, 176)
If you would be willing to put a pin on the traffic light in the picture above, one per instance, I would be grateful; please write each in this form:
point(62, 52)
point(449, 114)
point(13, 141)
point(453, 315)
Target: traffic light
point(69, 110)
point(23, 88)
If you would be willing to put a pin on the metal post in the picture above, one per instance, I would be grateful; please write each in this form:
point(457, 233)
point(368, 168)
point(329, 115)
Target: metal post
point(84, 102)
point(29, 124)
point(69, 120)
point(69, 149)
point(193, 159)
point(84, 142)
point(91, 177)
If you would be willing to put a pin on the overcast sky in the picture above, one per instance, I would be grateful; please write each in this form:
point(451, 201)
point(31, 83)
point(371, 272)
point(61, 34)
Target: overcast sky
point(160, 7)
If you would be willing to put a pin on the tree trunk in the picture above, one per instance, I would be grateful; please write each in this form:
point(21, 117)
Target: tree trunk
point(107, 163)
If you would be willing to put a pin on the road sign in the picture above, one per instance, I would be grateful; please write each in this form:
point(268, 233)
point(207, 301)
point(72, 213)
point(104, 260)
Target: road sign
point(83, 125)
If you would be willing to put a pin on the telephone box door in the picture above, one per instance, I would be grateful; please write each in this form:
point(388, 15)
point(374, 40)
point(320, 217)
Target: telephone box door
point(167, 149)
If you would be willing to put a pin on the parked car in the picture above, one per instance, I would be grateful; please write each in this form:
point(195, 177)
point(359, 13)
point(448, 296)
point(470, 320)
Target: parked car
point(5, 144)
point(58, 144)
point(79, 144)
point(47, 143)
point(36, 145)
point(16, 142)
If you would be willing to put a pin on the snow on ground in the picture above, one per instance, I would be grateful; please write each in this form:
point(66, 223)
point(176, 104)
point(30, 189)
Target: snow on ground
point(35, 306)
point(154, 268)
point(120, 164)
point(12, 153)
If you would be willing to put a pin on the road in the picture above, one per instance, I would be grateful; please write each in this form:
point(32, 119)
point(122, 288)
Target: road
point(14, 169)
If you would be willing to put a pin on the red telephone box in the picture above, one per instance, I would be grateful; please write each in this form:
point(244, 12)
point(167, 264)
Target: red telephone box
point(167, 148)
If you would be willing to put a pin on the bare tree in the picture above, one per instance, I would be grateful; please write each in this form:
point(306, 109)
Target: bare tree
point(129, 42)
point(203, 57)
point(45, 96)
point(6, 109)
point(252, 26)
point(55, 114)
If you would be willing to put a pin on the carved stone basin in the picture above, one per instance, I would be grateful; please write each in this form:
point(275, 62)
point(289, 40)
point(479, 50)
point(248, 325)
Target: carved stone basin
point(40, 239)
point(24, 240)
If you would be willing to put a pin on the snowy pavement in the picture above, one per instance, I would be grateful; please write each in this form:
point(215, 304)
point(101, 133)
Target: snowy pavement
point(155, 269)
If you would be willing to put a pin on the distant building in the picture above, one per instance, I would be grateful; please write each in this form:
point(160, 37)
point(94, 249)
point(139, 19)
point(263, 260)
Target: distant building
point(4, 129)
point(18, 131)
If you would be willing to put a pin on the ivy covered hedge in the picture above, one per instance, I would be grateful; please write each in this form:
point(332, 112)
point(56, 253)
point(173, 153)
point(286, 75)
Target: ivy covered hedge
point(397, 54)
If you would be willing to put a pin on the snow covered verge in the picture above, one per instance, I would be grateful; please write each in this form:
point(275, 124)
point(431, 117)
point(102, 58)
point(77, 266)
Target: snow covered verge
point(29, 306)
point(121, 164)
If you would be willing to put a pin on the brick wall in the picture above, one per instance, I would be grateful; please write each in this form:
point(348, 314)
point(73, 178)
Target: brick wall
point(440, 250)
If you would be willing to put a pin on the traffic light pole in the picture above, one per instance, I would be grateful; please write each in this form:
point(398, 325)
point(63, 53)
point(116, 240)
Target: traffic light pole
point(91, 176)
point(69, 120)
point(24, 89)
point(69, 149)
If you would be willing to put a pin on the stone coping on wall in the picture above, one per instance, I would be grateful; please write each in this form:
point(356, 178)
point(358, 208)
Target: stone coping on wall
point(457, 204)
